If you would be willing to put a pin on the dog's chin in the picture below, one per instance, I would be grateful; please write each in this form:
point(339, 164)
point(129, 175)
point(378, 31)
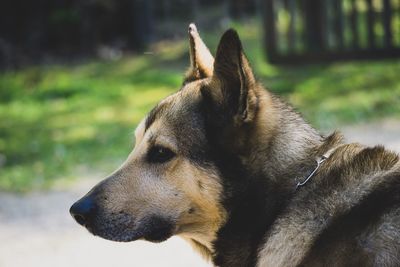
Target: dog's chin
point(157, 229)
point(119, 236)
point(115, 227)
point(153, 229)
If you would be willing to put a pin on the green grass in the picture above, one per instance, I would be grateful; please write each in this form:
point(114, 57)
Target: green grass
point(61, 122)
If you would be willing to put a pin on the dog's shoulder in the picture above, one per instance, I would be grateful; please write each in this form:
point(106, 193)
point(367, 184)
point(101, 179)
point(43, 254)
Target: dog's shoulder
point(364, 191)
point(355, 191)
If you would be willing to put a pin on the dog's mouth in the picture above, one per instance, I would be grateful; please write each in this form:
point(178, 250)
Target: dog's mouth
point(122, 228)
point(115, 227)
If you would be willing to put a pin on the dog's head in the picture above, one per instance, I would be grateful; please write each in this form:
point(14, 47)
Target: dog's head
point(171, 182)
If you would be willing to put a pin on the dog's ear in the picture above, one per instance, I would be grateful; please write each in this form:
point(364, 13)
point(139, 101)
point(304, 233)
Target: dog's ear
point(233, 84)
point(201, 60)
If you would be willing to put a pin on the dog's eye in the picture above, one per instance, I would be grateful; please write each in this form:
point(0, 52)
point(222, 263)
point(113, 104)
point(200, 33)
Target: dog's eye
point(159, 154)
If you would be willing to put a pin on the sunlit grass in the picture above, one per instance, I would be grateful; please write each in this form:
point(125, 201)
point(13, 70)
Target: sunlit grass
point(60, 122)
point(55, 118)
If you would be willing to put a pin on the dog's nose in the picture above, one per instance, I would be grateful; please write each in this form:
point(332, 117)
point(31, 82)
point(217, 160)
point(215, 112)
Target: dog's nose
point(83, 210)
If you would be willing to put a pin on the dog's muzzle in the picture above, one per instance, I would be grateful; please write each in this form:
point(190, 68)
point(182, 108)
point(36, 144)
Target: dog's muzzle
point(120, 226)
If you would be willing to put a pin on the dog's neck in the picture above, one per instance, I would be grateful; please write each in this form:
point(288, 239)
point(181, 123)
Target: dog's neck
point(281, 138)
point(280, 148)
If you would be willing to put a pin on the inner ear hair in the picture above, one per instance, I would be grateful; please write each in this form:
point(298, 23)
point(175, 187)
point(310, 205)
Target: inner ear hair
point(201, 60)
point(248, 91)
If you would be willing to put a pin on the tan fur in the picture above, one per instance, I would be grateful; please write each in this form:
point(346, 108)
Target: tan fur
point(182, 176)
point(264, 128)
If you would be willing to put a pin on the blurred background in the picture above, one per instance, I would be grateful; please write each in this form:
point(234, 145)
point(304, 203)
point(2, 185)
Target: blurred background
point(76, 76)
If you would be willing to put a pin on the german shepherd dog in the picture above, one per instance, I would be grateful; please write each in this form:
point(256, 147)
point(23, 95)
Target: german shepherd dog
point(233, 170)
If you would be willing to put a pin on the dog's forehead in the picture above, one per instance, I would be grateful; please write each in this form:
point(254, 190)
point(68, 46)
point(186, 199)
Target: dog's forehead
point(174, 103)
point(193, 87)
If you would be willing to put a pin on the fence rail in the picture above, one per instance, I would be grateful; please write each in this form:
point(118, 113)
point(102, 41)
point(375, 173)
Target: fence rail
point(299, 31)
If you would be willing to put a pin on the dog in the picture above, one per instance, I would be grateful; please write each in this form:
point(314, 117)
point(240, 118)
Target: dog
point(235, 171)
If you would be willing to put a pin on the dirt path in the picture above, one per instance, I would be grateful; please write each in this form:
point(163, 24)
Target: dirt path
point(36, 229)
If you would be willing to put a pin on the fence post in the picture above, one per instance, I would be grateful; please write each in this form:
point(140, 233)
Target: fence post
point(370, 24)
point(270, 34)
point(338, 23)
point(354, 23)
point(314, 25)
point(387, 17)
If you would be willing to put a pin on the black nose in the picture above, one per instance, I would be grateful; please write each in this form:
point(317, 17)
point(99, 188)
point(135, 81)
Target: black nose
point(83, 210)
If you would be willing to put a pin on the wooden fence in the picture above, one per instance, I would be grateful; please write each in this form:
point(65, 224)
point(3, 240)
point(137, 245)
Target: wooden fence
point(301, 31)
